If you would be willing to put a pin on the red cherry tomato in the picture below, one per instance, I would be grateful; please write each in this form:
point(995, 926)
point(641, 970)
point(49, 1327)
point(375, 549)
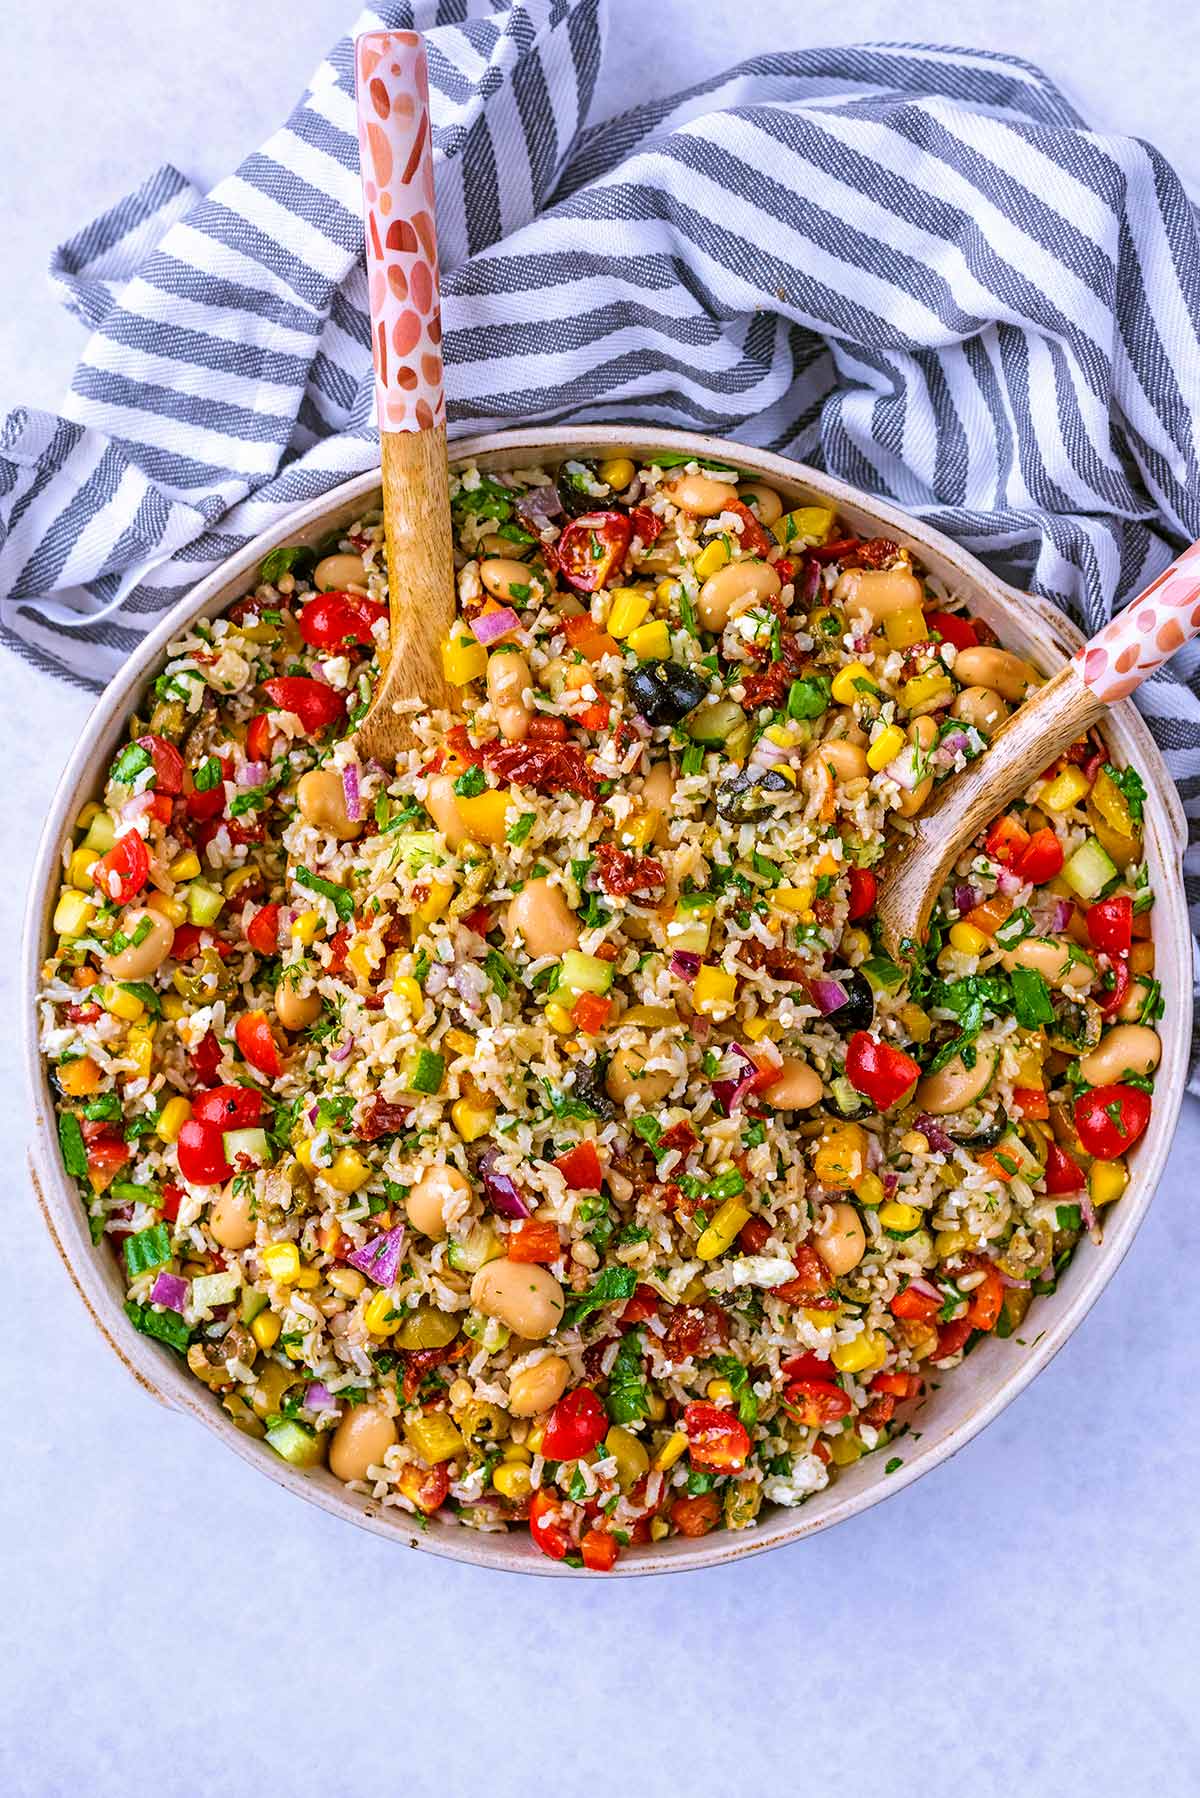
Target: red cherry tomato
point(717, 1440)
point(815, 1402)
point(256, 1042)
point(161, 807)
point(168, 763)
point(262, 932)
point(696, 1516)
point(1041, 859)
point(1110, 1119)
point(646, 524)
point(333, 620)
point(202, 1154)
point(1111, 1001)
point(425, 1487)
point(593, 547)
point(986, 1301)
point(203, 808)
point(107, 1154)
point(206, 1058)
point(862, 893)
point(1110, 924)
point(955, 629)
point(552, 1522)
point(190, 939)
point(641, 1307)
point(1062, 1173)
point(952, 1337)
point(578, 1424)
point(918, 1305)
point(124, 871)
point(581, 1168)
point(172, 1198)
point(316, 705)
point(259, 738)
point(229, 1107)
point(599, 1551)
point(805, 1367)
point(899, 1385)
point(1006, 840)
point(880, 1072)
point(1031, 1102)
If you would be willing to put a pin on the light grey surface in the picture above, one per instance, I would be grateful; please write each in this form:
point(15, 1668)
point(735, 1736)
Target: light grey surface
point(1024, 1621)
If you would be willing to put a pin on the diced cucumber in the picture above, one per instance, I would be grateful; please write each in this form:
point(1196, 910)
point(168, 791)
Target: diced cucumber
point(101, 833)
point(847, 1100)
point(416, 848)
point(296, 1444)
point(215, 1289)
point(204, 903)
point(252, 1303)
point(424, 1071)
point(1089, 870)
point(254, 1143)
point(1011, 1151)
point(467, 1254)
point(580, 973)
point(716, 722)
point(488, 1332)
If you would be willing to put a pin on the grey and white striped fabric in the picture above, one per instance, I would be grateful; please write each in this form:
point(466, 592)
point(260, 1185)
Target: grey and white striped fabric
point(913, 266)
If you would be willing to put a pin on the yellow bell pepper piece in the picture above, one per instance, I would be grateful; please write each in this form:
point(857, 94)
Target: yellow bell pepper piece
point(714, 992)
point(865, 1350)
point(486, 814)
point(841, 1156)
point(1107, 1180)
point(722, 1231)
point(714, 555)
point(1065, 790)
point(408, 989)
point(669, 1453)
point(630, 606)
point(813, 523)
point(440, 894)
point(905, 627)
point(185, 866)
point(793, 898)
point(463, 658)
point(79, 1078)
point(925, 691)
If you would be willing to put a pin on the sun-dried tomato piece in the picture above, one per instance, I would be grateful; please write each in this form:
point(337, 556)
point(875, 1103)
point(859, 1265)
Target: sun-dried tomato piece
point(680, 1136)
point(876, 552)
point(694, 1330)
point(646, 524)
point(754, 540)
point(546, 767)
point(813, 1285)
point(382, 1118)
point(458, 741)
point(419, 1362)
point(620, 872)
point(780, 963)
point(880, 1409)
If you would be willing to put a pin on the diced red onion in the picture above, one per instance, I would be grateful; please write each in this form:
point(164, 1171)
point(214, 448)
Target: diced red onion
point(1087, 1210)
point(252, 774)
point(809, 583)
point(539, 507)
point(1063, 909)
point(926, 1288)
point(137, 806)
point(936, 1137)
point(904, 770)
point(470, 983)
point(1013, 1285)
point(379, 1259)
point(890, 1183)
point(342, 1051)
point(350, 789)
point(965, 898)
point(952, 742)
point(728, 1093)
point(1009, 883)
point(313, 1114)
point(827, 994)
point(766, 754)
point(502, 1194)
point(685, 964)
point(170, 1290)
point(319, 1398)
point(487, 626)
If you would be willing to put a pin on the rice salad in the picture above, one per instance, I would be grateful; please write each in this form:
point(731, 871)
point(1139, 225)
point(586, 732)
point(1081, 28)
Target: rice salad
point(536, 1134)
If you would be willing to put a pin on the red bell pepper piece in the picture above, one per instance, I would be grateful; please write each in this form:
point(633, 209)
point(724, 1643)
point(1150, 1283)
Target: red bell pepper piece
point(954, 629)
point(863, 887)
point(262, 932)
point(124, 871)
point(986, 1301)
point(259, 738)
point(1041, 859)
point(1006, 840)
point(879, 1071)
point(599, 1550)
point(918, 1305)
point(254, 1038)
point(206, 1058)
point(590, 1013)
point(1031, 1102)
point(952, 1337)
point(534, 1240)
point(581, 1167)
point(696, 1516)
point(553, 1521)
point(316, 705)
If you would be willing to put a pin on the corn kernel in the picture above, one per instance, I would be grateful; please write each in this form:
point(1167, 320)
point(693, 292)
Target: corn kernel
point(559, 1019)
point(793, 898)
point(905, 627)
point(471, 1121)
point(486, 815)
point(79, 869)
point(720, 1392)
point(440, 894)
point(171, 1119)
point(173, 1007)
point(461, 1041)
point(378, 1316)
point(349, 1171)
point(666, 591)
point(463, 657)
point(173, 910)
point(139, 1049)
point(813, 523)
point(897, 1216)
point(121, 1004)
point(674, 1446)
point(348, 1281)
point(969, 941)
point(630, 606)
point(821, 1320)
point(785, 772)
point(916, 1021)
point(951, 1242)
point(722, 1231)
point(651, 642)
point(408, 989)
point(281, 1260)
point(714, 555)
point(886, 747)
point(73, 914)
point(865, 1350)
point(536, 1439)
point(1107, 1180)
point(714, 992)
point(513, 1451)
point(844, 688)
point(265, 1329)
point(512, 1480)
point(869, 1191)
point(305, 927)
point(1065, 790)
point(782, 735)
point(185, 866)
point(915, 1142)
point(638, 831)
point(359, 960)
point(307, 1278)
point(78, 1078)
point(755, 1028)
point(617, 472)
point(855, 942)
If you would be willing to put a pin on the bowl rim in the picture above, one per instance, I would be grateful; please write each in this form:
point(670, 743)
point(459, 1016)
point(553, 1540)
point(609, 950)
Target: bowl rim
point(158, 1371)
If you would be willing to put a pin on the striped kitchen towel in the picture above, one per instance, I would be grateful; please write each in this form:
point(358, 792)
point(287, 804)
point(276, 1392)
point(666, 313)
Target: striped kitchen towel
point(915, 267)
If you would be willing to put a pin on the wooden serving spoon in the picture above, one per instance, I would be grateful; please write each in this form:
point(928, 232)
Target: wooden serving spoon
point(1126, 652)
point(396, 150)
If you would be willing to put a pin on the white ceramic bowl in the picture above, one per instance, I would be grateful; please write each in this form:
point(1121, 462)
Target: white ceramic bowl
point(968, 1398)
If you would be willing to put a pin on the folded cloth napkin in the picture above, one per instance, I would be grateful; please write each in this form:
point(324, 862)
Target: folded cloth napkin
point(915, 267)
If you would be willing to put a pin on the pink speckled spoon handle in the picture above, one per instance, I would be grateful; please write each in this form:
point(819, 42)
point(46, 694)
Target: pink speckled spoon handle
point(396, 150)
point(1130, 648)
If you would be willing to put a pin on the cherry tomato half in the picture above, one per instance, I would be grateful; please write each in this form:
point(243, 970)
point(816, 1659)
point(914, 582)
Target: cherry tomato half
point(1006, 840)
point(1062, 1173)
point(717, 1440)
point(257, 1043)
point(986, 1301)
point(124, 871)
point(599, 1551)
point(954, 629)
point(259, 738)
point(592, 548)
point(552, 1522)
point(262, 932)
point(1110, 1119)
point(316, 705)
point(168, 763)
point(229, 1107)
point(815, 1402)
point(425, 1487)
point(880, 1072)
point(1110, 924)
point(578, 1424)
point(333, 620)
point(201, 1154)
point(206, 1058)
point(863, 885)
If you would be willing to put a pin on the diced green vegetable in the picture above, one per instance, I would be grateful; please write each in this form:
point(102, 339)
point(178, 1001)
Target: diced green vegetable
point(101, 833)
point(215, 1289)
point(204, 903)
point(296, 1443)
point(164, 1326)
point(70, 1141)
point(715, 723)
point(1089, 870)
point(809, 697)
point(580, 973)
point(424, 1071)
point(415, 848)
point(341, 900)
point(253, 1143)
point(148, 1249)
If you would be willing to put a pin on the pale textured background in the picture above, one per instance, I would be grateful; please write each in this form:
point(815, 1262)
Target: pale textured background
point(1021, 1622)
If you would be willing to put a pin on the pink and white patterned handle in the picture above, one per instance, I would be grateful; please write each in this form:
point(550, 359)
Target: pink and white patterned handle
point(1145, 634)
point(396, 152)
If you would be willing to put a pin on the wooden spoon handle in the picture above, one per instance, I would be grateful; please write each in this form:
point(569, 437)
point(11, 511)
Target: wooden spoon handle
point(1146, 633)
point(396, 149)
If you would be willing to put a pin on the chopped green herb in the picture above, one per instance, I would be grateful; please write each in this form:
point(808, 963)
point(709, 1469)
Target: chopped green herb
point(1031, 998)
point(341, 900)
point(473, 781)
point(165, 1326)
point(1131, 786)
point(520, 828)
point(148, 1249)
point(893, 1464)
point(208, 775)
point(611, 1284)
point(291, 558)
point(70, 1139)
